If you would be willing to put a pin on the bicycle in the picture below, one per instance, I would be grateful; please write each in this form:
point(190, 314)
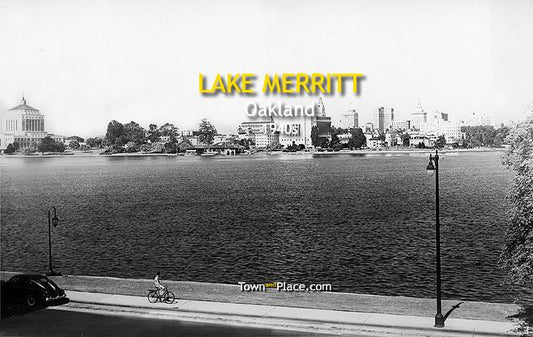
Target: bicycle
point(165, 296)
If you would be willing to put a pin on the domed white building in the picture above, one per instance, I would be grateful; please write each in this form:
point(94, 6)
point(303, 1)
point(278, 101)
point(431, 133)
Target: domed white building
point(23, 124)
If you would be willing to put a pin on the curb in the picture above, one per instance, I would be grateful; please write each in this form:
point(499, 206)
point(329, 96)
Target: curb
point(305, 324)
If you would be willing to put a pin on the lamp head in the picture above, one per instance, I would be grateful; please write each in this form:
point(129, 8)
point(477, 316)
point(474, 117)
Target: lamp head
point(430, 169)
point(55, 220)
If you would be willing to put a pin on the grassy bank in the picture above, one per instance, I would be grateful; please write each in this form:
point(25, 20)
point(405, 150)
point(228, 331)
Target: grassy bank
point(395, 305)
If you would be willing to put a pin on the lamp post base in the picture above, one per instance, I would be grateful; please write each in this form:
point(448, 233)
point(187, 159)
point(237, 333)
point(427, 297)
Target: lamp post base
point(439, 321)
point(52, 273)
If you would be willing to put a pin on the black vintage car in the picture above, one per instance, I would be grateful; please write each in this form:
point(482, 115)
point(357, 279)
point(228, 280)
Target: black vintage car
point(31, 290)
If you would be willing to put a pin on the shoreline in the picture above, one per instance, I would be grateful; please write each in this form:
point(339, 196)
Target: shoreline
point(400, 151)
point(348, 302)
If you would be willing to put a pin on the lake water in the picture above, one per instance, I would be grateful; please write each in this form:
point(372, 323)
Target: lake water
point(365, 224)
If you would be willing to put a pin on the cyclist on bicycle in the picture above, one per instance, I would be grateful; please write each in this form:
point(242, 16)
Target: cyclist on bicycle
point(158, 284)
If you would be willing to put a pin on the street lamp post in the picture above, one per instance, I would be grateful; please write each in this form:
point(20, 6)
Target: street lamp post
point(433, 167)
point(54, 220)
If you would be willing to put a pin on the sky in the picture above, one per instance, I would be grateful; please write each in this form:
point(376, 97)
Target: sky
point(85, 63)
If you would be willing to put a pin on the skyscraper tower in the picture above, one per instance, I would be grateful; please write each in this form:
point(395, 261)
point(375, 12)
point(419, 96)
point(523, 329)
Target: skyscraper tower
point(381, 119)
point(320, 109)
point(418, 116)
point(350, 120)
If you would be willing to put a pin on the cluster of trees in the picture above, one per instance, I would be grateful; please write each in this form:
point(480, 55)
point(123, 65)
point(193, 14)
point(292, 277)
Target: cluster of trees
point(75, 142)
point(11, 148)
point(517, 254)
point(131, 137)
point(356, 141)
point(95, 142)
point(48, 144)
point(477, 136)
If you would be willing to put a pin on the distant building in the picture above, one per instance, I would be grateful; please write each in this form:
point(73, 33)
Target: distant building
point(479, 119)
point(416, 139)
point(302, 135)
point(439, 126)
point(401, 125)
point(373, 139)
point(418, 116)
point(392, 138)
point(350, 120)
point(389, 119)
point(369, 127)
point(252, 127)
point(23, 124)
point(322, 121)
point(194, 140)
point(374, 142)
point(264, 140)
point(292, 130)
point(344, 138)
point(381, 119)
point(385, 119)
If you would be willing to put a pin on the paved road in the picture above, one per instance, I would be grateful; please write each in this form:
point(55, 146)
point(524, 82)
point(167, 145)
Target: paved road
point(59, 323)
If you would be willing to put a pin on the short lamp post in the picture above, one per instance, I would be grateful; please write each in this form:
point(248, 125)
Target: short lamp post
point(54, 221)
point(433, 168)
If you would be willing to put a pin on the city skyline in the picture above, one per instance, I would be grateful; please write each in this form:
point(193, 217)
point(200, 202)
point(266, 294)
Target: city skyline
point(142, 62)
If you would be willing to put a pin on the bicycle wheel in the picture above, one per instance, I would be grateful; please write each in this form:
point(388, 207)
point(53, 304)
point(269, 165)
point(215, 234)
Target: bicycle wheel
point(152, 296)
point(169, 299)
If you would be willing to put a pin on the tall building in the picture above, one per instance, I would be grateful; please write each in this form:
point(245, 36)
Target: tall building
point(389, 119)
point(350, 120)
point(381, 119)
point(418, 116)
point(23, 124)
point(385, 119)
point(322, 121)
point(439, 125)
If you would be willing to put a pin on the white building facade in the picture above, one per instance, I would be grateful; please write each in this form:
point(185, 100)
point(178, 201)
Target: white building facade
point(23, 124)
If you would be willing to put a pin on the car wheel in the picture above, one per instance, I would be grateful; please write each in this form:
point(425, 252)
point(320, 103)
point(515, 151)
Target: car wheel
point(31, 300)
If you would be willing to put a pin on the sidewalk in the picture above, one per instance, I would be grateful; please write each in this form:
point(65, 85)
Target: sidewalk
point(278, 317)
point(324, 312)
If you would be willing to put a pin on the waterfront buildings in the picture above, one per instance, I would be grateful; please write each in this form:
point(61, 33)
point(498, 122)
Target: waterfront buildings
point(252, 127)
point(25, 125)
point(418, 139)
point(265, 140)
point(262, 133)
point(439, 125)
point(401, 125)
point(288, 131)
